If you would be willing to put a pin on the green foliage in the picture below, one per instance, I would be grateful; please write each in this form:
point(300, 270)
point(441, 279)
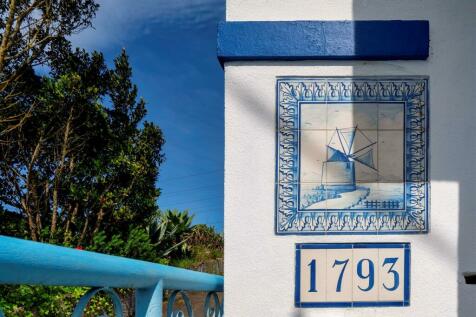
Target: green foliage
point(31, 33)
point(78, 162)
point(164, 238)
point(30, 30)
point(169, 239)
point(206, 236)
point(82, 164)
point(169, 232)
point(137, 245)
point(204, 245)
point(33, 301)
point(82, 170)
point(12, 224)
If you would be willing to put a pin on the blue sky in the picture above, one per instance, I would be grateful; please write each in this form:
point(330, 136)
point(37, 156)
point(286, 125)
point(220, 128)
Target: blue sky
point(172, 49)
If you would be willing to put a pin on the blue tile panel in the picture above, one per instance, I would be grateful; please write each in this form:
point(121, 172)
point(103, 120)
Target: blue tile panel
point(412, 94)
point(378, 245)
point(323, 40)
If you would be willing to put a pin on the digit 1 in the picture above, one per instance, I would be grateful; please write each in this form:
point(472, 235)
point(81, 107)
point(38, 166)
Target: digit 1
point(312, 265)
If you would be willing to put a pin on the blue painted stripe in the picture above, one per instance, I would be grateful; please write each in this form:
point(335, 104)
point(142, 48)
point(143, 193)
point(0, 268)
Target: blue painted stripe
point(325, 245)
point(349, 245)
point(406, 295)
point(352, 304)
point(379, 304)
point(326, 304)
point(379, 245)
point(323, 40)
point(297, 280)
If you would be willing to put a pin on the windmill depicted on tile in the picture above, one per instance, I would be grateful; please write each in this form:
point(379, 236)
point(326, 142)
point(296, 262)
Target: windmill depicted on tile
point(347, 149)
point(354, 161)
point(342, 156)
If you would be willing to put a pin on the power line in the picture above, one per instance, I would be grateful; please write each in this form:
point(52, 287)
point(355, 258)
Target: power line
point(191, 175)
point(191, 201)
point(209, 211)
point(187, 150)
point(167, 194)
point(195, 206)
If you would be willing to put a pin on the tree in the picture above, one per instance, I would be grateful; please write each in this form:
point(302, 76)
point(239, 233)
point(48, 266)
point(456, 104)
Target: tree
point(29, 32)
point(29, 27)
point(78, 162)
point(84, 162)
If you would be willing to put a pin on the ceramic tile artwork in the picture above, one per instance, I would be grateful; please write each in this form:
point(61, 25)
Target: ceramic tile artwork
point(352, 274)
point(352, 155)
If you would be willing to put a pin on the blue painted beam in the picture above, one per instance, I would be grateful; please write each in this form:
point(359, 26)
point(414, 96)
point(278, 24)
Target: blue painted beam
point(149, 301)
point(27, 262)
point(323, 40)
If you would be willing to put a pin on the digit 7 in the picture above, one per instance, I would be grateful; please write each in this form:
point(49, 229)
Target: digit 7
point(339, 281)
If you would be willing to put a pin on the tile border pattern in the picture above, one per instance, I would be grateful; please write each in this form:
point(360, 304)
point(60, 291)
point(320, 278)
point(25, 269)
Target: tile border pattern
point(413, 92)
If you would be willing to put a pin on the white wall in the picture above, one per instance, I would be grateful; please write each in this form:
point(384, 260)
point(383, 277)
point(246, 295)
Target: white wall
point(259, 265)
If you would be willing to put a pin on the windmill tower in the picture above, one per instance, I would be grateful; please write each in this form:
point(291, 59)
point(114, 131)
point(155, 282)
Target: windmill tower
point(343, 153)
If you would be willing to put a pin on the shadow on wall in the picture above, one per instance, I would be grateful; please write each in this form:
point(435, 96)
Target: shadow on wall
point(452, 142)
point(453, 177)
point(452, 120)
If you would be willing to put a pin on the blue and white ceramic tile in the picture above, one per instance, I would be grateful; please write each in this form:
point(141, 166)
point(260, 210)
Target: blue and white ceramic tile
point(352, 275)
point(352, 155)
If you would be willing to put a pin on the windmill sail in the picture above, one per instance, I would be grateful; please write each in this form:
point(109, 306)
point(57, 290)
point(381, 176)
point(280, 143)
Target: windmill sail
point(335, 155)
point(348, 138)
point(344, 149)
point(366, 158)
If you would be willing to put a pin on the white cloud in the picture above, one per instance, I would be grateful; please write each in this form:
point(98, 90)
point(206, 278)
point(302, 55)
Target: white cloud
point(120, 20)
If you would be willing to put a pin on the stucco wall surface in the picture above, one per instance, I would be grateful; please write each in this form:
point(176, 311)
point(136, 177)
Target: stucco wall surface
point(259, 265)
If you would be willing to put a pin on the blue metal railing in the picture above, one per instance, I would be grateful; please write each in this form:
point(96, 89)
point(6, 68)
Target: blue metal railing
point(33, 263)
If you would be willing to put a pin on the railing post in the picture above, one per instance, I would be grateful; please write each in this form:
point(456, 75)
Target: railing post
point(149, 301)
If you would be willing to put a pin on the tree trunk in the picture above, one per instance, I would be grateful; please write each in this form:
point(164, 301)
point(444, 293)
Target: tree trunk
point(59, 173)
point(31, 222)
point(26, 200)
point(83, 233)
point(71, 219)
point(6, 34)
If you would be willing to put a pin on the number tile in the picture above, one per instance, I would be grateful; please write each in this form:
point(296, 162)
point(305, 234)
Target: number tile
point(391, 262)
point(365, 289)
point(352, 274)
point(317, 291)
point(339, 275)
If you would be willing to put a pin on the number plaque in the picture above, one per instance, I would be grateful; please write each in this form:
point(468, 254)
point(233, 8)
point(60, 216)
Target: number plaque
point(352, 274)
